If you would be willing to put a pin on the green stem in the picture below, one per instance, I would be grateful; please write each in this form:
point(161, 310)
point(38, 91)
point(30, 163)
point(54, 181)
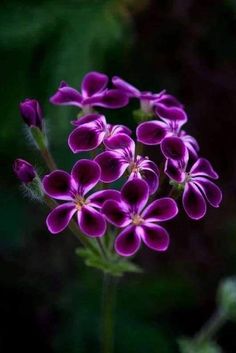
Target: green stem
point(48, 159)
point(102, 249)
point(211, 327)
point(108, 301)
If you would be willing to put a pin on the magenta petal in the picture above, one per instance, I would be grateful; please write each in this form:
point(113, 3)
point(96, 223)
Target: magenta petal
point(173, 148)
point(193, 201)
point(150, 173)
point(86, 174)
point(169, 101)
point(160, 210)
point(66, 95)
point(98, 198)
point(124, 143)
point(174, 171)
point(128, 241)
point(60, 217)
point(126, 87)
point(116, 213)
point(203, 167)
point(113, 99)
point(89, 118)
point(171, 113)
point(112, 166)
point(210, 190)
point(151, 132)
point(155, 237)
point(135, 194)
point(85, 138)
point(93, 82)
point(91, 222)
point(58, 184)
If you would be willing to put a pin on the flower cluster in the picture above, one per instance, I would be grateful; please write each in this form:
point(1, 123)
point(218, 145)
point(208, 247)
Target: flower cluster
point(88, 193)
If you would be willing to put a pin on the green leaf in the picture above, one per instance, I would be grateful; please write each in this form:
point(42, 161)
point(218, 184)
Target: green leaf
point(114, 266)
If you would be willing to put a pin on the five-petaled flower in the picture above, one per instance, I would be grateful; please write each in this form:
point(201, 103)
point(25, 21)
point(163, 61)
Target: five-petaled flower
point(94, 92)
point(197, 187)
point(148, 100)
point(139, 222)
point(174, 142)
point(91, 130)
point(121, 157)
point(72, 188)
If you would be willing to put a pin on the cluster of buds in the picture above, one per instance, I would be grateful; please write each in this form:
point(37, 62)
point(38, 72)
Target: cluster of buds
point(86, 191)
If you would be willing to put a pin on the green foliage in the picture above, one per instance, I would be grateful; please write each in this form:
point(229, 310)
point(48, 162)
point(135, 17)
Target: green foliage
point(114, 266)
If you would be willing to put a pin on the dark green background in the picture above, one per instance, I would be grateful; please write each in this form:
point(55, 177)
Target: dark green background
point(49, 301)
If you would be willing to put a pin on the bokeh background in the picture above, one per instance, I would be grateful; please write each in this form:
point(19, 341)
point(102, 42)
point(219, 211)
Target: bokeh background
point(49, 300)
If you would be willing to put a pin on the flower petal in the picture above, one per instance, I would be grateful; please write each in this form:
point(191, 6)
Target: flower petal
point(160, 210)
point(171, 113)
point(89, 118)
point(211, 191)
point(124, 144)
point(150, 173)
point(151, 132)
point(203, 167)
point(58, 184)
point(91, 222)
point(98, 198)
point(60, 217)
point(86, 174)
point(135, 194)
point(193, 201)
point(173, 148)
point(174, 171)
point(85, 138)
point(94, 82)
point(113, 99)
point(116, 213)
point(126, 87)
point(169, 101)
point(128, 241)
point(66, 95)
point(155, 237)
point(112, 166)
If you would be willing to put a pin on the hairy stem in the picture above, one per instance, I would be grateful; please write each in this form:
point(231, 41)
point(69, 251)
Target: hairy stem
point(48, 159)
point(211, 327)
point(108, 302)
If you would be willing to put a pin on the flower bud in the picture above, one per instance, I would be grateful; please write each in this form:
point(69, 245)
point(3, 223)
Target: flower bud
point(24, 171)
point(227, 297)
point(31, 113)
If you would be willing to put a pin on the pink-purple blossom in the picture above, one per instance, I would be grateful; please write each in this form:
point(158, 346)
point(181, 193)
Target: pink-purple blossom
point(31, 113)
point(139, 223)
point(196, 184)
point(72, 188)
point(91, 130)
point(121, 157)
point(94, 93)
point(24, 171)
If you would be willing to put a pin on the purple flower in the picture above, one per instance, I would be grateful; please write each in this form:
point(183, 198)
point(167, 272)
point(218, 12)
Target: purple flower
point(91, 130)
point(31, 113)
point(24, 171)
point(175, 143)
point(139, 223)
point(93, 93)
point(121, 157)
point(148, 100)
point(197, 187)
point(72, 188)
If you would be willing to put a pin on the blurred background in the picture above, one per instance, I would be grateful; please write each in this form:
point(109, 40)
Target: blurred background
point(49, 300)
